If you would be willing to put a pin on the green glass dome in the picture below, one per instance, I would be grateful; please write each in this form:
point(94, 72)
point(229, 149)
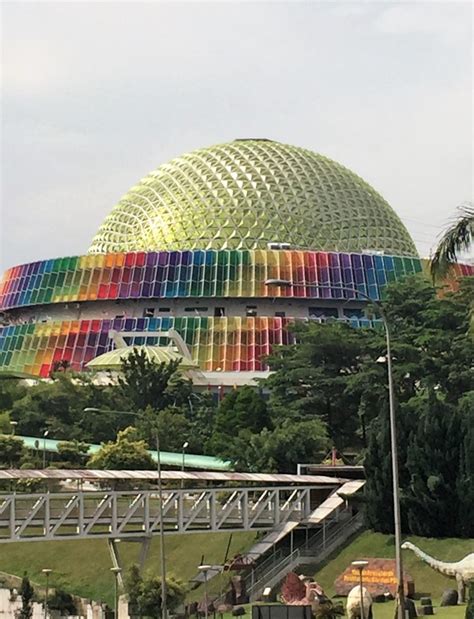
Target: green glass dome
point(247, 193)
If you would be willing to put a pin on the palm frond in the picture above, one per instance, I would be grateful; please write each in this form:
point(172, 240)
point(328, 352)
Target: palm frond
point(456, 239)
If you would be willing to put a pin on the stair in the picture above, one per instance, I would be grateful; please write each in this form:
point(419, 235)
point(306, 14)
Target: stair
point(328, 539)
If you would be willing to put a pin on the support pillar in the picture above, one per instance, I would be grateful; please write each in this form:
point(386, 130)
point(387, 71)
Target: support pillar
point(115, 556)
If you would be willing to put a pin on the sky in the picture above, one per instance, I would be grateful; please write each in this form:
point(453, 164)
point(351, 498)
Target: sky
point(96, 95)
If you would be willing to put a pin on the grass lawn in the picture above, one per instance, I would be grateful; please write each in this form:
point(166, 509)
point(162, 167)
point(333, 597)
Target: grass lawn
point(83, 567)
point(369, 544)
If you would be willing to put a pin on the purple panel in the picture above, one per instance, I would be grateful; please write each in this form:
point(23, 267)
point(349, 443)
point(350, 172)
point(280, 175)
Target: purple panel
point(163, 258)
point(336, 276)
point(104, 338)
point(186, 258)
point(149, 274)
point(124, 291)
point(151, 258)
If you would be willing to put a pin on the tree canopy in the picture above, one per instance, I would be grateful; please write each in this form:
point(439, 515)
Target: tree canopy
point(126, 453)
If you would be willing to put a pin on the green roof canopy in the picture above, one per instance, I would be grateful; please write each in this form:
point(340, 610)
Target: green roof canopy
point(113, 359)
point(167, 458)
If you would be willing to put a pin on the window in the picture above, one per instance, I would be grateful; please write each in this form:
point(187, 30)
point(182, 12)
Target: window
point(251, 313)
point(323, 312)
point(148, 312)
point(195, 309)
point(219, 311)
point(164, 309)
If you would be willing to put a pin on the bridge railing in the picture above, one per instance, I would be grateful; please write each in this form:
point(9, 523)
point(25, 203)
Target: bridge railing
point(127, 514)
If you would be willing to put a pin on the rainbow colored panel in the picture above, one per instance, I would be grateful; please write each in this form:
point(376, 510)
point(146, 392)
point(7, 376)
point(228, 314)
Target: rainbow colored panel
point(230, 343)
point(210, 273)
point(216, 344)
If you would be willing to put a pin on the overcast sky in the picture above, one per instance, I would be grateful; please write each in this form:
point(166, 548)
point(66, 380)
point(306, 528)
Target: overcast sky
point(95, 95)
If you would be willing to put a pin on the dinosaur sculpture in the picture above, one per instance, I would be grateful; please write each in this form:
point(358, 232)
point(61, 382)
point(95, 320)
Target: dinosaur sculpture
point(462, 571)
point(353, 609)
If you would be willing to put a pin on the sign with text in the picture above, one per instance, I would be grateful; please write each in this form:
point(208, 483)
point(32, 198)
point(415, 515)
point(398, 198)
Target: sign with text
point(378, 577)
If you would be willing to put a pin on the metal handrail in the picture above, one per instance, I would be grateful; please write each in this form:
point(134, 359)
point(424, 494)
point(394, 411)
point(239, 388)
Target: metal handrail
point(325, 544)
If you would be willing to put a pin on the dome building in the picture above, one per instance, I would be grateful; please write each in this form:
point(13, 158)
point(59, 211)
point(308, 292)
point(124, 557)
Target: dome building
point(186, 258)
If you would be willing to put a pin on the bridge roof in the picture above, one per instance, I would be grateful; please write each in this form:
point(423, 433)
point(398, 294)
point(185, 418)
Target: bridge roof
point(167, 458)
point(100, 475)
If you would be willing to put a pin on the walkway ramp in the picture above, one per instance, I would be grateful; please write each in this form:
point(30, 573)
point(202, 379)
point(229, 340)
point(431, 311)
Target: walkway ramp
point(334, 503)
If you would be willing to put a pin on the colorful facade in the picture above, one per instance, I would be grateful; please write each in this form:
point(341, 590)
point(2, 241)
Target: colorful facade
point(63, 311)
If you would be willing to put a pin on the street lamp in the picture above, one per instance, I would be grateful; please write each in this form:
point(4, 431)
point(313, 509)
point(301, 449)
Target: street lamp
point(116, 572)
point(360, 566)
point(164, 611)
point(205, 569)
point(183, 451)
point(284, 283)
point(13, 425)
point(46, 571)
point(45, 434)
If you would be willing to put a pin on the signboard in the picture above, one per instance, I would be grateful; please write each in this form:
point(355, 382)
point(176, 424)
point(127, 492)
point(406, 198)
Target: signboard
point(378, 577)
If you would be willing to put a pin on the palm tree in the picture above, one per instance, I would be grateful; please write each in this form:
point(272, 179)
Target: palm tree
point(456, 239)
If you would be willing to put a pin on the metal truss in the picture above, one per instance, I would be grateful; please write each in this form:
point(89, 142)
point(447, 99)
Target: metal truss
point(135, 514)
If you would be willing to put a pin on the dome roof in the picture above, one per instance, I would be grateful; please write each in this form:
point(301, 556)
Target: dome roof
point(247, 193)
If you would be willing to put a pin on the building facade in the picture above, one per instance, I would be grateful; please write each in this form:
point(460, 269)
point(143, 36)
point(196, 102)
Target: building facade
point(194, 247)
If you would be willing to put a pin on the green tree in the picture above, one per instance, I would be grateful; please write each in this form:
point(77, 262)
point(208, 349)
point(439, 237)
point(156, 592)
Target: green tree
point(431, 500)
point(72, 454)
point(456, 239)
point(314, 378)
point(378, 493)
point(126, 453)
point(465, 480)
point(172, 426)
point(295, 441)
point(241, 410)
point(430, 339)
point(277, 450)
point(146, 383)
point(12, 451)
point(63, 602)
point(10, 391)
point(144, 594)
point(27, 594)
point(133, 588)
point(59, 404)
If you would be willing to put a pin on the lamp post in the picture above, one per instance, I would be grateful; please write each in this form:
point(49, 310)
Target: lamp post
point(45, 434)
point(13, 425)
point(284, 283)
point(360, 566)
point(164, 610)
point(183, 451)
point(205, 569)
point(116, 571)
point(46, 571)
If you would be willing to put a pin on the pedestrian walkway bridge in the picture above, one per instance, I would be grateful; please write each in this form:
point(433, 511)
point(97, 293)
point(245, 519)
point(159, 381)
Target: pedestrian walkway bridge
point(234, 502)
